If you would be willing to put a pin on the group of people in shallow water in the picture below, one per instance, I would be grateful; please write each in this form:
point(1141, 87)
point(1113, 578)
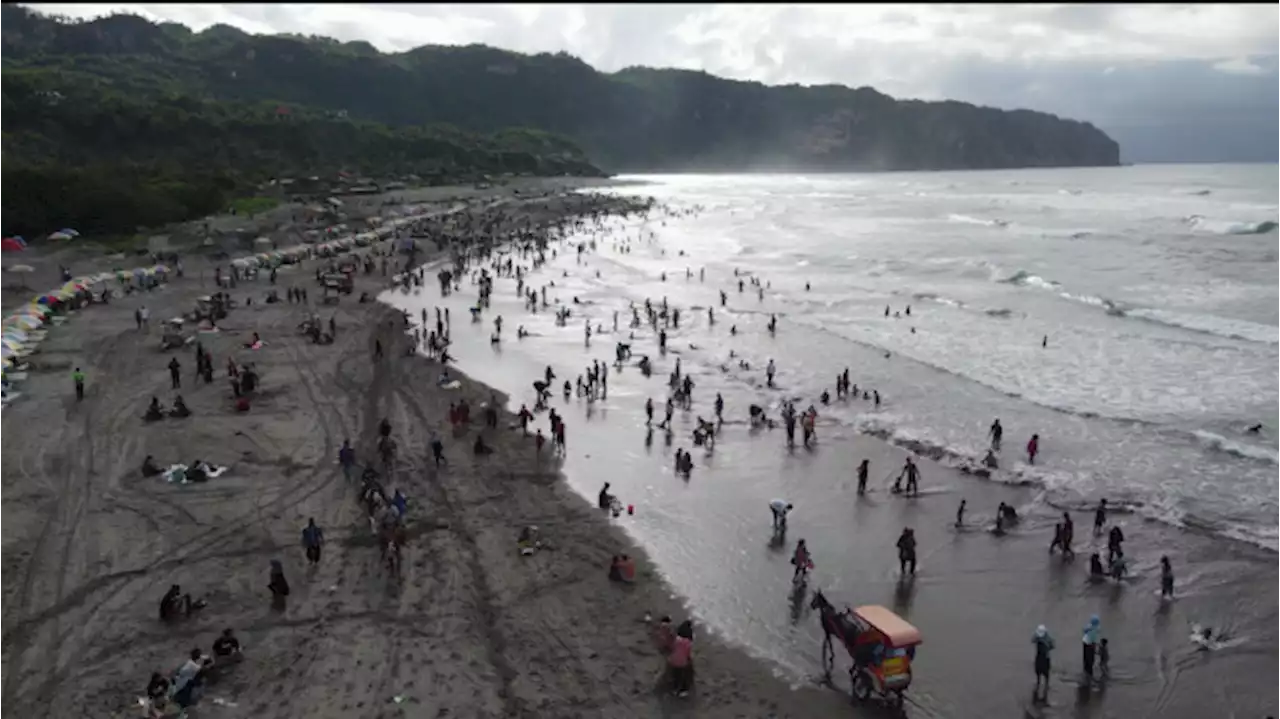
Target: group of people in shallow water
point(662, 318)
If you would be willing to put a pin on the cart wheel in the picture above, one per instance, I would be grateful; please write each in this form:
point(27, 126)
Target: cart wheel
point(828, 657)
point(899, 703)
point(861, 687)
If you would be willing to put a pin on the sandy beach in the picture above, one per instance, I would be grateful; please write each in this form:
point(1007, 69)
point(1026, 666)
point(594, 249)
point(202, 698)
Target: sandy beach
point(472, 629)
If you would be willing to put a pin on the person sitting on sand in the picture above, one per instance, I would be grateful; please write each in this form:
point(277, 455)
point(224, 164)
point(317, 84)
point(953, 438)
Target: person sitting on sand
point(627, 569)
point(528, 540)
point(198, 471)
point(606, 500)
point(158, 691)
point(180, 409)
point(189, 680)
point(174, 604)
point(154, 412)
point(149, 468)
point(226, 648)
point(480, 448)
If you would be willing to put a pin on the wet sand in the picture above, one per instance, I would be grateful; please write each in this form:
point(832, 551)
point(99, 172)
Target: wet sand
point(472, 629)
point(976, 597)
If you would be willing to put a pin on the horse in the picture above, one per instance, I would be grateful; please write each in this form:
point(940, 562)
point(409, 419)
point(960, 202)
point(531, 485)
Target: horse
point(834, 623)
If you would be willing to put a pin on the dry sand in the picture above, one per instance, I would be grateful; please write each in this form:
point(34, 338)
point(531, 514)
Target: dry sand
point(471, 630)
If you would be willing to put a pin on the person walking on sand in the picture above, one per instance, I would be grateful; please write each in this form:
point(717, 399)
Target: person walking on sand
point(437, 450)
point(377, 349)
point(1089, 640)
point(144, 316)
point(347, 458)
point(1044, 644)
point(175, 373)
point(312, 540)
point(960, 513)
point(1033, 448)
point(278, 585)
point(864, 468)
point(78, 377)
point(995, 433)
point(1100, 517)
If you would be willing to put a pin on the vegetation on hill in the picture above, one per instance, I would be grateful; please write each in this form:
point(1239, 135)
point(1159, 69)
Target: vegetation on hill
point(159, 105)
point(91, 143)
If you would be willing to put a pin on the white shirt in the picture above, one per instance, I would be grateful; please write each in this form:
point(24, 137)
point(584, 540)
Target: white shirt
point(778, 505)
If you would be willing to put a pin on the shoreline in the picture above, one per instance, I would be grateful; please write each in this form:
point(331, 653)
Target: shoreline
point(90, 545)
point(1208, 569)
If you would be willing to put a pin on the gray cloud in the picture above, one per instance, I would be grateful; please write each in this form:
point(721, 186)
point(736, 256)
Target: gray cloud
point(1169, 82)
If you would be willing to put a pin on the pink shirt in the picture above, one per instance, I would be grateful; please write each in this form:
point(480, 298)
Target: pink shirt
point(680, 652)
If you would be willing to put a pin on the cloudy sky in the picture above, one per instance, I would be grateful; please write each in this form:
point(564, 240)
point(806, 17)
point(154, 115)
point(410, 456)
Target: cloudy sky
point(1169, 82)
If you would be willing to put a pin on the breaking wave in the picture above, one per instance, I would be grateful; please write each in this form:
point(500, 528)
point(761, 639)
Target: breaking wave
point(1218, 443)
point(1224, 227)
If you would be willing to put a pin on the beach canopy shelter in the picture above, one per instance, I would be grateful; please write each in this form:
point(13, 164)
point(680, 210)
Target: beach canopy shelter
point(60, 236)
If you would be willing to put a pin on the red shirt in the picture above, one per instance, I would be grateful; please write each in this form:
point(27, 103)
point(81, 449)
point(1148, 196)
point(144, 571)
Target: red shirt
point(681, 652)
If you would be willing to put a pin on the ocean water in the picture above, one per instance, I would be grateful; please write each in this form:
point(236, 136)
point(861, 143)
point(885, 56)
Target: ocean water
point(1157, 290)
point(1156, 287)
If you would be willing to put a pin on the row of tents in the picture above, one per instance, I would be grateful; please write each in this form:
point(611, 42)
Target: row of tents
point(292, 255)
point(23, 329)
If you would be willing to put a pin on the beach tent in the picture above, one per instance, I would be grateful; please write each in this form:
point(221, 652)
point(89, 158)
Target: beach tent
point(69, 232)
point(60, 236)
point(11, 244)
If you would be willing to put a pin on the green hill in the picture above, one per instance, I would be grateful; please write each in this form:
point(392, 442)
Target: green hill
point(229, 83)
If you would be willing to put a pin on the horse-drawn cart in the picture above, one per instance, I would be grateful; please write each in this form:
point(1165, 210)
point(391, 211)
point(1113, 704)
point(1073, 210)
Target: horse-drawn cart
point(881, 644)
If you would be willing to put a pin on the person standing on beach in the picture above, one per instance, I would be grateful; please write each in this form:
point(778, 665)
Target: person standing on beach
point(864, 468)
point(680, 660)
point(1100, 517)
point(78, 377)
point(1166, 578)
point(912, 474)
point(960, 513)
point(1090, 644)
point(144, 317)
point(1033, 448)
point(995, 433)
point(1068, 536)
point(278, 585)
point(175, 373)
point(312, 540)
point(907, 551)
point(1044, 645)
point(377, 349)
point(347, 458)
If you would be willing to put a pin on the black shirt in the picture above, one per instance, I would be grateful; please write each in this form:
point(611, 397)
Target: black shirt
point(225, 646)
